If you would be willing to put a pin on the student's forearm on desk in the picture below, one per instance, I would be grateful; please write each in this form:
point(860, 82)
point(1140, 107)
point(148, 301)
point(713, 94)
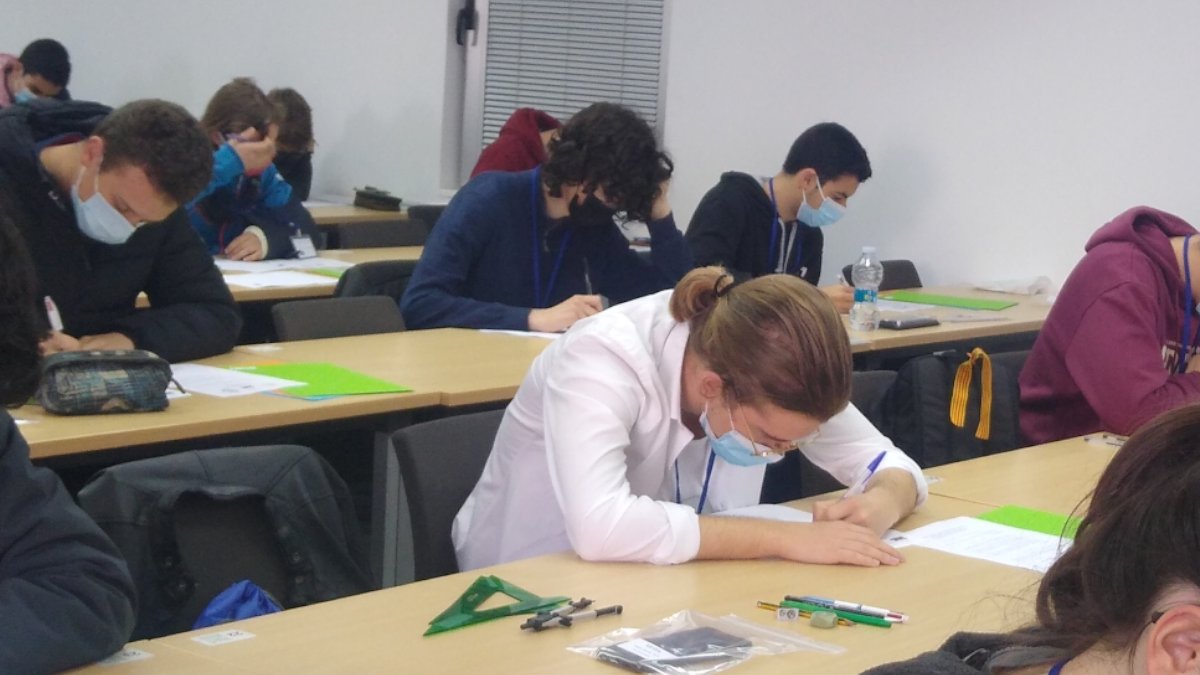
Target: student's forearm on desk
point(835, 542)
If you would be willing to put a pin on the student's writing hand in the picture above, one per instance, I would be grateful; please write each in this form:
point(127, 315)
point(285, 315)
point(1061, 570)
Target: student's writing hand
point(891, 496)
point(838, 542)
point(564, 315)
point(106, 341)
point(841, 295)
point(662, 206)
point(58, 341)
point(245, 246)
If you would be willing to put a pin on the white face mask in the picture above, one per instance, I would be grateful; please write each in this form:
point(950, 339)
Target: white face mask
point(97, 219)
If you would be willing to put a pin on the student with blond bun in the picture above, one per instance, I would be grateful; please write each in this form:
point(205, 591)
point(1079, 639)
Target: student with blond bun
point(642, 421)
point(1125, 598)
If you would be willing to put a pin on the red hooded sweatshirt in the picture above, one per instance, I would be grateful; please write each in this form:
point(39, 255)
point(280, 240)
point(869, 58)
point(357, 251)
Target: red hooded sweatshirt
point(1108, 355)
point(519, 145)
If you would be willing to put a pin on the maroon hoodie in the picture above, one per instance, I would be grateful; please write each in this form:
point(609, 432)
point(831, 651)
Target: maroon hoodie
point(1108, 355)
point(519, 145)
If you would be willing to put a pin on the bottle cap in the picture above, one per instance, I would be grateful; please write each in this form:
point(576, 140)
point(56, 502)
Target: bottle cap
point(868, 249)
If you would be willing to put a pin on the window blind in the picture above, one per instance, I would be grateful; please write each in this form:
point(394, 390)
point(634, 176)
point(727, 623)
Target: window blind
point(562, 55)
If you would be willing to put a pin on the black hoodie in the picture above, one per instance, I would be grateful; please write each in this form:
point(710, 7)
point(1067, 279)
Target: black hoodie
point(96, 285)
point(732, 228)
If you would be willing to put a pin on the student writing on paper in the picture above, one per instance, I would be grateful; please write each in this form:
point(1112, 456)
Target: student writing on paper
point(65, 594)
point(247, 211)
point(1125, 598)
point(539, 250)
point(97, 198)
point(629, 431)
point(1118, 347)
point(754, 226)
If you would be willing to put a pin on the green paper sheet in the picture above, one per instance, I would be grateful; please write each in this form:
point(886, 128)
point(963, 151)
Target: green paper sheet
point(325, 379)
point(334, 272)
point(1054, 524)
point(947, 300)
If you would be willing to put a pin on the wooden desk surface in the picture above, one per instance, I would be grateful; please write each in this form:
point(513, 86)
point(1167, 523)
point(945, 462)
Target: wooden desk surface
point(162, 658)
point(382, 631)
point(1052, 477)
point(338, 214)
point(443, 367)
point(1028, 315)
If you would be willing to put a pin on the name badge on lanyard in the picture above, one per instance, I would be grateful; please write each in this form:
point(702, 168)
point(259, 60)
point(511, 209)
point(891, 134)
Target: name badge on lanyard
point(540, 298)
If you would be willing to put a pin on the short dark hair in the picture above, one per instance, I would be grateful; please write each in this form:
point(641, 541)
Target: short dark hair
point(295, 120)
point(237, 106)
point(20, 328)
point(830, 150)
point(162, 139)
point(609, 146)
point(47, 58)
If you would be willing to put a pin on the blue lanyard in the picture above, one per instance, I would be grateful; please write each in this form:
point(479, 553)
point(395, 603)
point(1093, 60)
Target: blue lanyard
point(1057, 668)
point(543, 299)
point(775, 232)
point(1189, 308)
point(712, 456)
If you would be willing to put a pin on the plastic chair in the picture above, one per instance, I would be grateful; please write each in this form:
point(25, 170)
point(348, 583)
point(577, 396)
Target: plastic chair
point(376, 234)
point(896, 274)
point(336, 317)
point(794, 476)
point(426, 213)
point(384, 277)
point(440, 462)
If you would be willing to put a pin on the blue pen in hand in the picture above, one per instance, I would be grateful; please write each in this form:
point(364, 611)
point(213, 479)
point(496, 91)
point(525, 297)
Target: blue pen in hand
point(860, 485)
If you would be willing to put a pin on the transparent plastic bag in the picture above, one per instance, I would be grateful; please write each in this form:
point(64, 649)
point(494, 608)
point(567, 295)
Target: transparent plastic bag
point(691, 643)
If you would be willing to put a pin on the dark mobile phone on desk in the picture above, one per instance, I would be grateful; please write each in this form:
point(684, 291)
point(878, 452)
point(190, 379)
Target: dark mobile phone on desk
point(910, 322)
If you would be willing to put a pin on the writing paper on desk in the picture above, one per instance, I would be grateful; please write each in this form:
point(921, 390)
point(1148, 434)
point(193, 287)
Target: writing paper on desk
point(226, 265)
point(281, 279)
point(523, 333)
point(947, 300)
point(983, 540)
point(788, 514)
point(222, 382)
point(320, 380)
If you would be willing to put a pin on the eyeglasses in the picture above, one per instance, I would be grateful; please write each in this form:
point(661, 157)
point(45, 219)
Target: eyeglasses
point(778, 447)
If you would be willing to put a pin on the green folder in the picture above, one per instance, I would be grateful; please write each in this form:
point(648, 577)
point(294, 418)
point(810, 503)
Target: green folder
point(1054, 524)
point(325, 379)
point(947, 300)
point(334, 272)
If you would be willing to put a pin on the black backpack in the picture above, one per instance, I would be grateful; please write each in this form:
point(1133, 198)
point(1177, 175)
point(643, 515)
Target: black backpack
point(950, 406)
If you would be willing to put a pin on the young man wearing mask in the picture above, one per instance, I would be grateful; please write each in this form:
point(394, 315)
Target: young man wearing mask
point(755, 226)
point(42, 71)
point(538, 250)
point(97, 199)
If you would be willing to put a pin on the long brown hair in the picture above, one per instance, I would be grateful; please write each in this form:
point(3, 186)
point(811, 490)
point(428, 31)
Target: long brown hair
point(1139, 536)
point(773, 339)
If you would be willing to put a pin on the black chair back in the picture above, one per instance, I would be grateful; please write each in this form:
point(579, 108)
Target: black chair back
point(897, 274)
point(336, 317)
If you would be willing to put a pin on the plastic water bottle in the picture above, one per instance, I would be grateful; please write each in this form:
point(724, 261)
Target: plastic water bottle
point(867, 275)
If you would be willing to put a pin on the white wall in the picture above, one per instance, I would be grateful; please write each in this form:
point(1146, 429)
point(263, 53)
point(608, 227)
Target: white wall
point(1001, 132)
point(374, 71)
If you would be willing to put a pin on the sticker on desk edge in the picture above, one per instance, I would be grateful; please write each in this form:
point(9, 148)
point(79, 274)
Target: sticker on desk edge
point(127, 655)
point(222, 637)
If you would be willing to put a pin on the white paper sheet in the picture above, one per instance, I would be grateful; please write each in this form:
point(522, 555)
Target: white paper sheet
point(788, 514)
point(275, 265)
point(223, 383)
point(985, 540)
point(523, 333)
point(281, 279)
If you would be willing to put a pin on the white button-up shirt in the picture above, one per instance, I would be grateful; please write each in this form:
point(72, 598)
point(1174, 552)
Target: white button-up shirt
point(585, 456)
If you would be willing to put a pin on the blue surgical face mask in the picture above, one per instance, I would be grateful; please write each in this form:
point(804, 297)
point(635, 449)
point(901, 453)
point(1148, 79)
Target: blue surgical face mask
point(24, 96)
point(97, 219)
point(829, 212)
point(732, 446)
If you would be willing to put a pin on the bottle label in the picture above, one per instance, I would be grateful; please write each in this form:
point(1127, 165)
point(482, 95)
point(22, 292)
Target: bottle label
point(865, 295)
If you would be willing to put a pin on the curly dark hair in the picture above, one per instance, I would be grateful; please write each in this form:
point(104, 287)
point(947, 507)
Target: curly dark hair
point(19, 323)
point(295, 120)
point(608, 146)
point(162, 139)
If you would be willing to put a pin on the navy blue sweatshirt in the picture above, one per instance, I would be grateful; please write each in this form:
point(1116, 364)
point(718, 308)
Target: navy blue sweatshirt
point(477, 267)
